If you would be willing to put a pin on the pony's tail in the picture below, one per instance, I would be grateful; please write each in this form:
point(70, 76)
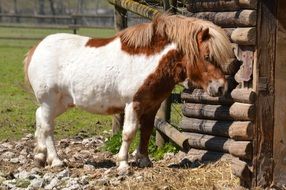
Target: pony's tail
point(27, 61)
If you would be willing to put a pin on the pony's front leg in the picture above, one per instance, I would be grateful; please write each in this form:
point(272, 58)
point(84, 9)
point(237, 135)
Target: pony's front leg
point(129, 130)
point(147, 125)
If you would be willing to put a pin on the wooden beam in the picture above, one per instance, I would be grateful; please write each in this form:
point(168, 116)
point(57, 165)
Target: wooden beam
point(200, 96)
point(137, 8)
point(221, 5)
point(171, 132)
point(238, 111)
point(266, 49)
point(241, 149)
point(237, 130)
point(244, 18)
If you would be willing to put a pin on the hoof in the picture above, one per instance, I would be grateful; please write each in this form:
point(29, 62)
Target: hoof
point(56, 162)
point(40, 159)
point(123, 169)
point(144, 162)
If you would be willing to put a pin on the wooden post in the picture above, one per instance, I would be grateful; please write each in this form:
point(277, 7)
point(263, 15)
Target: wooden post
point(120, 18)
point(264, 130)
point(164, 113)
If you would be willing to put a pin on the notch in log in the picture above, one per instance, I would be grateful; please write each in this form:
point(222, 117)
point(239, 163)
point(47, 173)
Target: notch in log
point(237, 130)
point(238, 111)
point(241, 149)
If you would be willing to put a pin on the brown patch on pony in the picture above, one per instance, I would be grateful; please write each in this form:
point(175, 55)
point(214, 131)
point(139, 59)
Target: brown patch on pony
point(114, 110)
point(27, 61)
point(155, 46)
point(94, 42)
point(158, 85)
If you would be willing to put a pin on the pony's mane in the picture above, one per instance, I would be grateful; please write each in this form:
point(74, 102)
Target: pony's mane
point(183, 31)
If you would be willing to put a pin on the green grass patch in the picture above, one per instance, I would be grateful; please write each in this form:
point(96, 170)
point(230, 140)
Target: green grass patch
point(113, 145)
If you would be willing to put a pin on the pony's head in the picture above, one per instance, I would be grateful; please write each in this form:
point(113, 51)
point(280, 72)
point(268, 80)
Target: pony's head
point(206, 47)
point(207, 68)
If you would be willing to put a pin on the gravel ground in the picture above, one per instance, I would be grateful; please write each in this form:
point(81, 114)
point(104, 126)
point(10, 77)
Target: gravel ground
point(88, 167)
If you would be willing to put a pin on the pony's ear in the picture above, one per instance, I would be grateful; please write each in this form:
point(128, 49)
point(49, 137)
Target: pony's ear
point(203, 35)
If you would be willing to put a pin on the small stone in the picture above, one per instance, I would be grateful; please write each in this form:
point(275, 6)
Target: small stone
point(85, 141)
point(14, 160)
point(64, 173)
point(35, 170)
point(88, 167)
point(8, 155)
point(22, 174)
point(48, 176)
point(84, 180)
point(36, 183)
point(24, 152)
point(7, 145)
point(23, 183)
point(30, 136)
point(22, 159)
point(52, 184)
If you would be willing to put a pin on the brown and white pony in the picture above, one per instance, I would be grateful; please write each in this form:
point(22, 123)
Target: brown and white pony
point(133, 72)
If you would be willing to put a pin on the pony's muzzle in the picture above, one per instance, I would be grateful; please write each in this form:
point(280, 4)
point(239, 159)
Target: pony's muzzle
point(217, 88)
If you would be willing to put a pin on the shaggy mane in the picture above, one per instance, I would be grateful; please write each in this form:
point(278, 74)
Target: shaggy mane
point(183, 31)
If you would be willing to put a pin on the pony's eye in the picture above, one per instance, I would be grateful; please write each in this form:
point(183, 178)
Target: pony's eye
point(207, 58)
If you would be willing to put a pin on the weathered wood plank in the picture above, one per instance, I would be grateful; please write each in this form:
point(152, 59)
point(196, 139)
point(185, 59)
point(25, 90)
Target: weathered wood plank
point(266, 48)
point(238, 111)
point(279, 176)
point(244, 18)
point(221, 5)
point(241, 149)
point(237, 130)
point(164, 113)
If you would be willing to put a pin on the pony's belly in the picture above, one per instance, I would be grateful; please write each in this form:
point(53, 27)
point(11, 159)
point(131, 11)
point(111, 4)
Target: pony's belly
point(103, 105)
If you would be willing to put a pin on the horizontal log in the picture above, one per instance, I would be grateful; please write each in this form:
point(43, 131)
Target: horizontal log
point(137, 8)
point(237, 111)
point(244, 18)
point(237, 130)
point(241, 149)
point(220, 5)
point(171, 132)
point(206, 155)
point(240, 169)
point(244, 36)
point(242, 95)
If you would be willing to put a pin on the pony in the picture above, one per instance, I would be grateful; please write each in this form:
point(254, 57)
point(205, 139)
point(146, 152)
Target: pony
point(132, 72)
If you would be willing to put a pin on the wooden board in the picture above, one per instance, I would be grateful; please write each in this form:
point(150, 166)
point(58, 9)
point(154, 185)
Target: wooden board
point(263, 143)
point(279, 176)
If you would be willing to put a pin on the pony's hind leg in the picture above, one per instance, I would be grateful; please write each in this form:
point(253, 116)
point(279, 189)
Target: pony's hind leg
point(45, 115)
point(129, 130)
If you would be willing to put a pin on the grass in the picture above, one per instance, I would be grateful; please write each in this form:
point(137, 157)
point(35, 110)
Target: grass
point(18, 106)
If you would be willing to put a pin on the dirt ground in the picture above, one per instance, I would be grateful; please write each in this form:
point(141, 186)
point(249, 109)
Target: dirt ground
point(88, 167)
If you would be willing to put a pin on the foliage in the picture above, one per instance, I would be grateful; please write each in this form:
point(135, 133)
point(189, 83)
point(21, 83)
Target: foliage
point(113, 145)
